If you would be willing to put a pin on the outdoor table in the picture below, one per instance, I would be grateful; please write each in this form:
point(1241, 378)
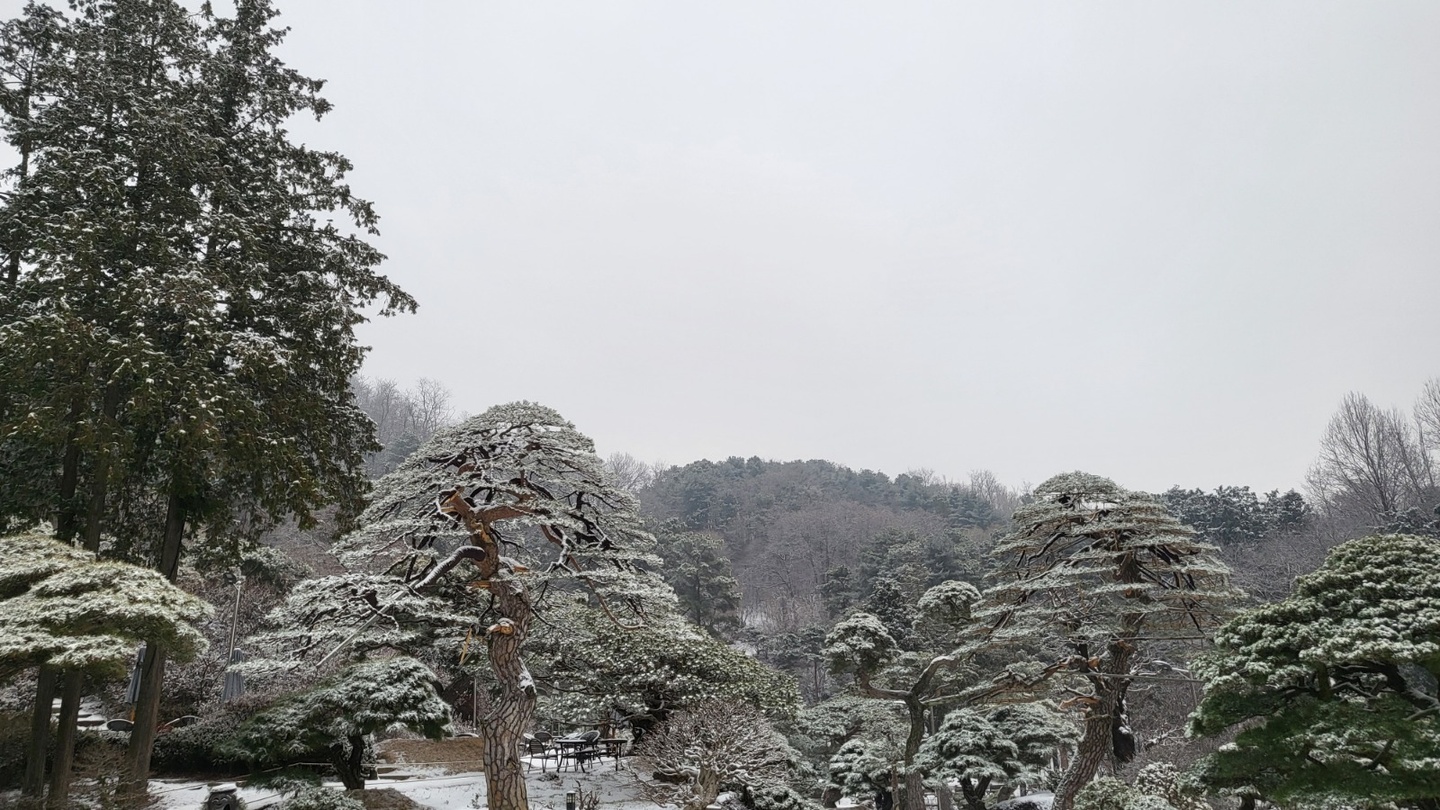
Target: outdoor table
point(613, 747)
point(575, 750)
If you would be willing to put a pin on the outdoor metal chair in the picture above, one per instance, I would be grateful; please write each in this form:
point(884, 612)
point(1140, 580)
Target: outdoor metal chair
point(540, 746)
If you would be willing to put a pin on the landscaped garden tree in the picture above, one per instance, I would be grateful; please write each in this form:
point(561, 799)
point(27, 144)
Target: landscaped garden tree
point(336, 718)
point(588, 667)
point(858, 742)
point(514, 506)
point(1333, 689)
point(1090, 574)
point(713, 745)
point(984, 748)
point(181, 290)
point(60, 609)
point(919, 680)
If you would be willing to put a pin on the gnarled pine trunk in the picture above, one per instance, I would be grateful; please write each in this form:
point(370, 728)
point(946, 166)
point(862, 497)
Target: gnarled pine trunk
point(1097, 739)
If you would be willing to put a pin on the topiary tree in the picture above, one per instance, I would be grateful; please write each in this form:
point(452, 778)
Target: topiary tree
point(1334, 688)
point(587, 666)
point(515, 507)
point(1090, 574)
point(864, 646)
point(336, 718)
point(60, 609)
point(983, 748)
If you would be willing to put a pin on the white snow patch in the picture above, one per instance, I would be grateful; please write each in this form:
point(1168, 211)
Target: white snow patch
point(618, 790)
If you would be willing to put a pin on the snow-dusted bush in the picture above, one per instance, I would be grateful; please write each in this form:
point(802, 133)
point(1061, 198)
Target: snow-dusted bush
point(714, 746)
point(668, 662)
point(1109, 793)
point(335, 719)
point(868, 767)
point(985, 748)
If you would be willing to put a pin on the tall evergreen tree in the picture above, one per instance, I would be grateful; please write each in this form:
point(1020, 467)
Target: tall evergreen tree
point(178, 322)
point(697, 568)
point(1090, 573)
point(515, 503)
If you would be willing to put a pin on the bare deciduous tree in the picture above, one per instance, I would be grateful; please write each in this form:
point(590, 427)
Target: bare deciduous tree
point(1370, 459)
point(430, 407)
point(630, 473)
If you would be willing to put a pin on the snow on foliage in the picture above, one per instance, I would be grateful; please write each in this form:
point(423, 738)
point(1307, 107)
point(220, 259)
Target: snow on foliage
point(1090, 573)
point(1336, 686)
point(556, 509)
point(366, 613)
point(985, 748)
point(593, 665)
point(497, 515)
point(333, 719)
point(859, 643)
point(59, 606)
point(716, 745)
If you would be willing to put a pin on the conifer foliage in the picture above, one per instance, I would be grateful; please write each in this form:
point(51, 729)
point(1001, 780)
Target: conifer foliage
point(1334, 688)
point(59, 607)
point(516, 504)
point(180, 292)
point(1090, 573)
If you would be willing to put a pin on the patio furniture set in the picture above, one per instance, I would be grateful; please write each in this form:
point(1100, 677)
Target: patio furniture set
point(571, 752)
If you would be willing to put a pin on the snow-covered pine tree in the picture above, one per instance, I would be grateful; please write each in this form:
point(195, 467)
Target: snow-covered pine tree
point(514, 503)
point(588, 666)
point(919, 679)
point(178, 323)
point(1335, 687)
point(982, 748)
point(335, 718)
point(60, 609)
point(1089, 574)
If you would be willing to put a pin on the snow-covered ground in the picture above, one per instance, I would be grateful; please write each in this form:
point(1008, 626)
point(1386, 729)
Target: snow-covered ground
point(618, 790)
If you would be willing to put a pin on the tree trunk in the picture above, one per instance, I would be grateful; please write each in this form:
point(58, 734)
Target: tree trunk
point(974, 792)
point(65, 512)
point(350, 762)
point(1097, 740)
point(503, 726)
point(65, 740)
point(504, 772)
point(914, 798)
point(707, 789)
point(944, 799)
point(74, 680)
point(152, 668)
point(34, 784)
point(147, 718)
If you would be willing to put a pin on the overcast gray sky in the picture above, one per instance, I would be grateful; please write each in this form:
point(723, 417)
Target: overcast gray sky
point(1154, 241)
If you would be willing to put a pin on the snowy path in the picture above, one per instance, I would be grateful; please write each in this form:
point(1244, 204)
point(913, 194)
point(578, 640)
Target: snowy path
point(618, 790)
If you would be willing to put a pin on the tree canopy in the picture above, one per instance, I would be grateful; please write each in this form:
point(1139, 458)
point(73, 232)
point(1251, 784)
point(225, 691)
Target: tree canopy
point(1334, 688)
point(515, 507)
point(334, 718)
point(1089, 568)
point(61, 607)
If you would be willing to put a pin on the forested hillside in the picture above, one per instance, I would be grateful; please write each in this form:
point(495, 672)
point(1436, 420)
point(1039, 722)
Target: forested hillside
point(798, 533)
